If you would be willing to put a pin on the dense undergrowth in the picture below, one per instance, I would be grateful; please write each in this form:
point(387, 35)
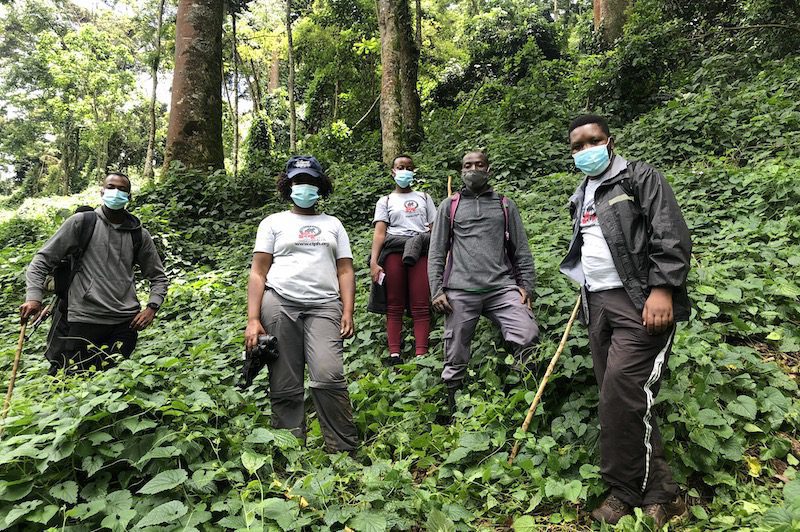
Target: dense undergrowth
point(166, 441)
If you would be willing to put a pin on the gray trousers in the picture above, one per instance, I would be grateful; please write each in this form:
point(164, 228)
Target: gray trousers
point(503, 307)
point(309, 334)
point(628, 365)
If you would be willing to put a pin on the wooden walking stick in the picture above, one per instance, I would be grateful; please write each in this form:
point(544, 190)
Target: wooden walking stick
point(547, 374)
point(449, 185)
point(7, 403)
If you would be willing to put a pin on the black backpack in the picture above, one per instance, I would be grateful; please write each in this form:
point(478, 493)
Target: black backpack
point(64, 273)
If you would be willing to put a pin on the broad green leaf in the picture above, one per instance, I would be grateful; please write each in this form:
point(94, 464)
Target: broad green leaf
point(744, 406)
point(368, 521)
point(791, 491)
point(439, 522)
point(281, 511)
point(572, 491)
point(164, 481)
point(261, 435)
point(66, 491)
point(42, 515)
point(526, 523)
point(164, 513)
point(253, 461)
point(21, 510)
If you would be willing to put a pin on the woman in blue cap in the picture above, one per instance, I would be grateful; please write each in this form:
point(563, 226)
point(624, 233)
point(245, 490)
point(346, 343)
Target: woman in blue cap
point(302, 291)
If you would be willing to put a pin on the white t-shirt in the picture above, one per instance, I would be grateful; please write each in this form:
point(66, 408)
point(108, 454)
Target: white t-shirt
point(304, 252)
point(598, 266)
point(407, 214)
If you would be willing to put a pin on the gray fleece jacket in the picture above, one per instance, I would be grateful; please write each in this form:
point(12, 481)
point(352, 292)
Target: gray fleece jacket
point(479, 255)
point(103, 290)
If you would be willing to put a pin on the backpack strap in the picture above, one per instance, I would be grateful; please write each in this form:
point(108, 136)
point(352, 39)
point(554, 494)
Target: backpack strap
point(136, 235)
point(87, 223)
point(454, 201)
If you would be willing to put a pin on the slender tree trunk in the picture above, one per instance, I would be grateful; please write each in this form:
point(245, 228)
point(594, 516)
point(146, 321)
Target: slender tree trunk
point(418, 15)
point(251, 87)
point(274, 72)
point(292, 112)
point(235, 98)
point(256, 82)
point(609, 18)
point(399, 108)
point(151, 135)
point(194, 136)
point(336, 99)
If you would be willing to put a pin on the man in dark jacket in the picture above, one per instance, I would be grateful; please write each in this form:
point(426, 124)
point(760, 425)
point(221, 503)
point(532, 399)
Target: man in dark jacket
point(630, 253)
point(103, 308)
point(479, 264)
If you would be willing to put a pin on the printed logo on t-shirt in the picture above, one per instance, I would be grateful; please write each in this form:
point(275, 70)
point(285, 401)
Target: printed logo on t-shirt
point(411, 206)
point(308, 236)
point(589, 216)
point(309, 232)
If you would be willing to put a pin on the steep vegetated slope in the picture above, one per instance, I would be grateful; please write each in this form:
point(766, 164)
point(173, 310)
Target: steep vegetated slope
point(166, 441)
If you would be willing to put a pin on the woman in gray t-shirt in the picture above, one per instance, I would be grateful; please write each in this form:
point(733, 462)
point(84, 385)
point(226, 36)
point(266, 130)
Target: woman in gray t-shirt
point(302, 291)
point(399, 262)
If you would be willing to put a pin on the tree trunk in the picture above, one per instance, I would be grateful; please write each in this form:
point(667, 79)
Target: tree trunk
point(292, 112)
point(194, 136)
point(256, 87)
point(336, 99)
point(274, 72)
point(418, 16)
point(609, 19)
point(235, 98)
point(399, 108)
point(151, 135)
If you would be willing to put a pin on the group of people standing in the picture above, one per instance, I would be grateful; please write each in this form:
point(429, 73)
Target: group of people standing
point(470, 257)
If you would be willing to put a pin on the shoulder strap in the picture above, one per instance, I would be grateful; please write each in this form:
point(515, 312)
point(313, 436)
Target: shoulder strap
point(504, 205)
point(88, 221)
point(454, 200)
point(136, 235)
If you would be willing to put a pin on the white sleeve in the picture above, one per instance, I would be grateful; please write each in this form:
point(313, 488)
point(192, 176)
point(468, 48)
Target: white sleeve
point(343, 250)
point(265, 238)
point(430, 209)
point(381, 210)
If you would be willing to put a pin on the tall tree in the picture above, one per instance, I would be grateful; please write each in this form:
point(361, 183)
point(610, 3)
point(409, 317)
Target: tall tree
point(194, 136)
point(290, 51)
point(235, 95)
point(609, 18)
point(151, 135)
point(400, 106)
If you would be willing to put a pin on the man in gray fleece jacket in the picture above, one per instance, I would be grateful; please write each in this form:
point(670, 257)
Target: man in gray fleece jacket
point(477, 269)
point(103, 308)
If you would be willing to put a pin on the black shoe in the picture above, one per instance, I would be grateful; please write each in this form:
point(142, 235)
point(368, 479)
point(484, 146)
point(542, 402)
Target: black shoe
point(664, 513)
point(394, 361)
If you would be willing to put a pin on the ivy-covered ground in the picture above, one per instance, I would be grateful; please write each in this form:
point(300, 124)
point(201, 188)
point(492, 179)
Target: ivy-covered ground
point(165, 441)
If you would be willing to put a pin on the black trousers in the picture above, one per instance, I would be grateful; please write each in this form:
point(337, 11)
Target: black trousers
point(628, 365)
point(91, 344)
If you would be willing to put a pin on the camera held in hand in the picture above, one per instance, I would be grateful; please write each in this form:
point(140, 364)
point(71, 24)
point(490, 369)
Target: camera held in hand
point(265, 351)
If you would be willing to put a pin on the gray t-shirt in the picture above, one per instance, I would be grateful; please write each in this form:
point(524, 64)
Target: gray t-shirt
point(304, 253)
point(407, 214)
point(596, 261)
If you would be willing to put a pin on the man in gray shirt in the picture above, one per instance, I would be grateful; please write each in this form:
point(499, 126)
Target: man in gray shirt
point(479, 263)
point(103, 308)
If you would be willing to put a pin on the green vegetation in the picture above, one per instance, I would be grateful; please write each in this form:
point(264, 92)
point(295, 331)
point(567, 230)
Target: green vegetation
point(165, 441)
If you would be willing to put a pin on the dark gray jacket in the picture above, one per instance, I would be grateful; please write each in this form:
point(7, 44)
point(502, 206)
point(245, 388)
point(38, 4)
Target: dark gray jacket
point(480, 261)
point(103, 290)
point(645, 231)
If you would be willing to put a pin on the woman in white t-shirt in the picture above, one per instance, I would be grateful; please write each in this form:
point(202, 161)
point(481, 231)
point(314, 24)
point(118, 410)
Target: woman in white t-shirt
point(302, 291)
point(400, 265)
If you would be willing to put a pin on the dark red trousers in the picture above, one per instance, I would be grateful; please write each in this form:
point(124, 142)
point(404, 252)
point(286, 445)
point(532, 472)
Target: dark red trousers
point(407, 287)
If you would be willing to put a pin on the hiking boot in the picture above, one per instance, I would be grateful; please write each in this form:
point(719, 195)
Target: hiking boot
point(663, 513)
point(611, 510)
point(394, 361)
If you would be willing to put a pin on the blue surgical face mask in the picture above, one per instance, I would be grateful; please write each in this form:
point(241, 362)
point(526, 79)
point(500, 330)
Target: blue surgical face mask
point(304, 196)
point(593, 161)
point(115, 199)
point(403, 178)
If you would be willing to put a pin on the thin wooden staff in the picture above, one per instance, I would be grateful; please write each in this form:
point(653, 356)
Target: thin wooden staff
point(449, 185)
point(547, 374)
point(7, 403)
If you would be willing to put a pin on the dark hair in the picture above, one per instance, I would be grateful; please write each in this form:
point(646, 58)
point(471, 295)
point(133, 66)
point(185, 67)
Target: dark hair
point(284, 185)
point(482, 152)
point(583, 120)
point(402, 156)
point(120, 174)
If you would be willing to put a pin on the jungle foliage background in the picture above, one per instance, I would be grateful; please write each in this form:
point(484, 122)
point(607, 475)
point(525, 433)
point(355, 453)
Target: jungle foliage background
point(709, 92)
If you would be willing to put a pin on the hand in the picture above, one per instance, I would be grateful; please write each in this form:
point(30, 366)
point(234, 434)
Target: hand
point(525, 299)
point(657, 314)
point(347, 326)
point(30, 309)
point(441, 304)
point(143, 319)
point(375, 271)
point(252, 332)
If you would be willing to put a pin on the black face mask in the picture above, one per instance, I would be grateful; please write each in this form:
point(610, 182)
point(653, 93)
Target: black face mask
point(475, 180)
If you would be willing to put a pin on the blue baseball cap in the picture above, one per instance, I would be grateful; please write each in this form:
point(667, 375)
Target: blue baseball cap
point(303, 164)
